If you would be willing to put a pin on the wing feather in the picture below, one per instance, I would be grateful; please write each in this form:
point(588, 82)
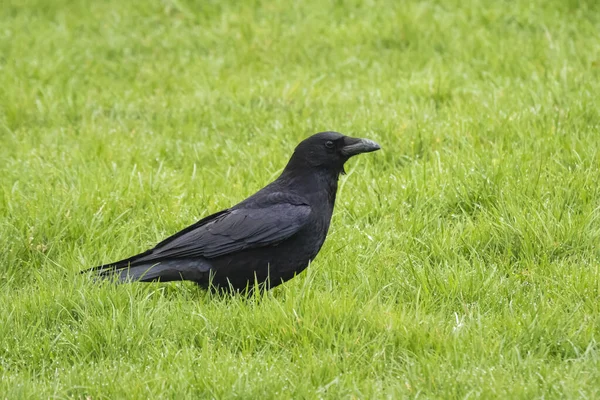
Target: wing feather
point(238, 229)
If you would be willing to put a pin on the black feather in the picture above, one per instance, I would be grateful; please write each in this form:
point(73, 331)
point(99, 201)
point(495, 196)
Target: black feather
point(269, 237)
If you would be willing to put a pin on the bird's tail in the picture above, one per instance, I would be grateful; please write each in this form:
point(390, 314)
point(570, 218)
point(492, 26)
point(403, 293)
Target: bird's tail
point(163, 271)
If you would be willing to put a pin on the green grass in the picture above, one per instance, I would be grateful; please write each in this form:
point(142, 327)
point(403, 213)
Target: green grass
point(463, 259)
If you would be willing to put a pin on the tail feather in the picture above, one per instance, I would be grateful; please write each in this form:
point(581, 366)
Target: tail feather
point(164, 271)
point(125, 263)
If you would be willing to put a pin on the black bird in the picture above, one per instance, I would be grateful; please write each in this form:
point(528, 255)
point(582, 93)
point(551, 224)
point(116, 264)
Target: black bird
point(267, 238)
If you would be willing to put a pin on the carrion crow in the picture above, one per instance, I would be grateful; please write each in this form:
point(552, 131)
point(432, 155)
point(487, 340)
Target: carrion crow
point(267, 238)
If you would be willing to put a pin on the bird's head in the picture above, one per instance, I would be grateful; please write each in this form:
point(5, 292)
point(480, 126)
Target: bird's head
point(329, 150)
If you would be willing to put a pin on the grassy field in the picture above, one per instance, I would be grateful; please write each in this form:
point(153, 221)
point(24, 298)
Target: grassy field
point(463, 259)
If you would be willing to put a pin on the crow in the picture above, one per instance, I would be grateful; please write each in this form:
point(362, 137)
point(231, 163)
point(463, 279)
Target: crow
point(266, 239)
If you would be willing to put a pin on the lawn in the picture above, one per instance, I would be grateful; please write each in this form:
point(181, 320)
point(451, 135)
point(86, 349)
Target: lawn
point(463, 259)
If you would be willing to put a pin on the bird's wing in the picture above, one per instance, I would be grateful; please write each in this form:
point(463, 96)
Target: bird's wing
point(276, 218)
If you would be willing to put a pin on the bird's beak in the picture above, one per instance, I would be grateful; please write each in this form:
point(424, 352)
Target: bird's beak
point(354, 146)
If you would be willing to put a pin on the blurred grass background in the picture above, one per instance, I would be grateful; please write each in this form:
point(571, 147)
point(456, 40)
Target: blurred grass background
point(462, 261)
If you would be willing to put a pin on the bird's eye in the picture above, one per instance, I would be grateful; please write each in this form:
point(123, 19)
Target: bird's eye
point(329, 144)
